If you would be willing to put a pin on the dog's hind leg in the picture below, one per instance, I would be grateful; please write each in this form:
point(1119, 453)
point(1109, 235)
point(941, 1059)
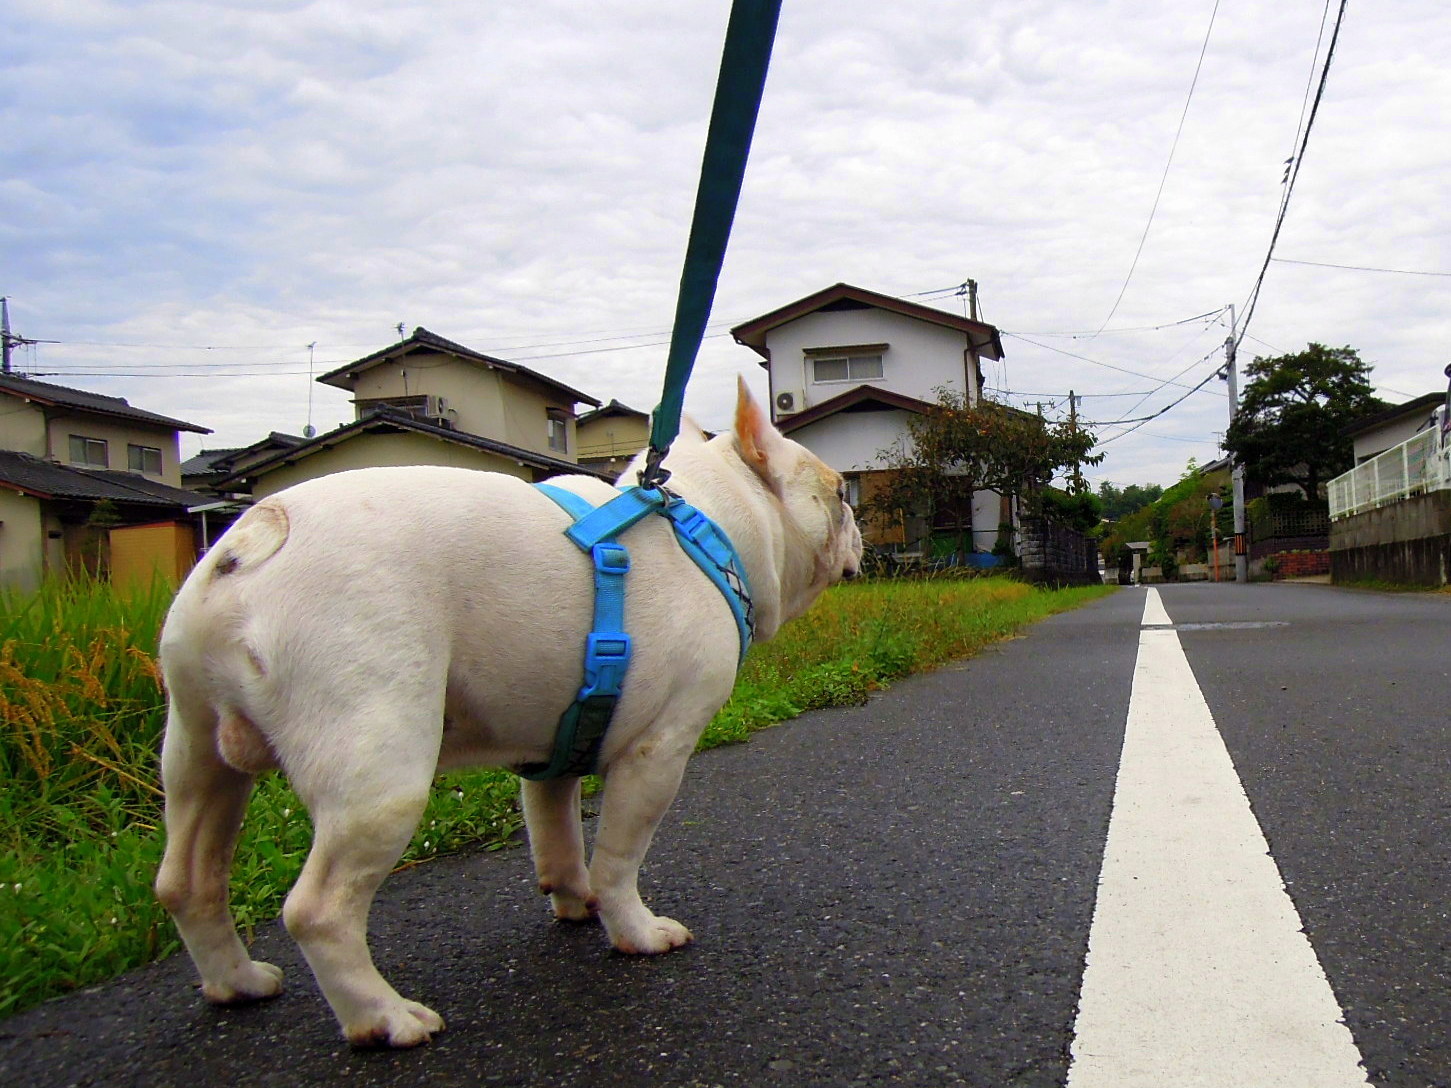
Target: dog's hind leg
point(205, 802)
point(556, 839)
point(365, 805)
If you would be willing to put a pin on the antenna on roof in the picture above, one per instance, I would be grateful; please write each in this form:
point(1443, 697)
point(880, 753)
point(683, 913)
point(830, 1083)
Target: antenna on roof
point(399, 327)
point(308, 430)
point(6, 338)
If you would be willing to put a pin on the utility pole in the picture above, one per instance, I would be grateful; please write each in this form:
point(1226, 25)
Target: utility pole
point(1078, 485)
point(1241, 545)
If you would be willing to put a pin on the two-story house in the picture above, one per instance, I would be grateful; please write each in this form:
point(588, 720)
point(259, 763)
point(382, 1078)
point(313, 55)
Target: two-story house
point(80, 472)
point(427, 400)
point(849, 368)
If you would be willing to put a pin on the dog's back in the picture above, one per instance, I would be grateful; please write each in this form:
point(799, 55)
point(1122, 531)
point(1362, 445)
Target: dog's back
point(457, 581)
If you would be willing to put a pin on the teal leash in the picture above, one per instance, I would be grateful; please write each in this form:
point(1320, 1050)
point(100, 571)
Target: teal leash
point(744, 61)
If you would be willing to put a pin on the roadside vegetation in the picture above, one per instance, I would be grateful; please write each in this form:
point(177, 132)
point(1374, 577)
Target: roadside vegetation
point(80, 817)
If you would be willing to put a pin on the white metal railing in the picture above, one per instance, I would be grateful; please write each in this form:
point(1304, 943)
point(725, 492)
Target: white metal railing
point(1421, 464)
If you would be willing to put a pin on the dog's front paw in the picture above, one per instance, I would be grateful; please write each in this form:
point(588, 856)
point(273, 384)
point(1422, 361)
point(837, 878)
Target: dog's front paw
point(654, 935)
point(400, 1025)
point(253, 981)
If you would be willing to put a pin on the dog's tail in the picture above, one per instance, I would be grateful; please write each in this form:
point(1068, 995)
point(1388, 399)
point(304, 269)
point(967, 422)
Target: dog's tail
point(256, 537)
point(208, 658)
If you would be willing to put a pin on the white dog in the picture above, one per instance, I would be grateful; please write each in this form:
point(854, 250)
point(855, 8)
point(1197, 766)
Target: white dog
point(365, 630)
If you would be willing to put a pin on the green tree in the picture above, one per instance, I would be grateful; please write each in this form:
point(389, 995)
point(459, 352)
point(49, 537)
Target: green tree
point(1119, 502)
point(957, 449)
point(1291, 421)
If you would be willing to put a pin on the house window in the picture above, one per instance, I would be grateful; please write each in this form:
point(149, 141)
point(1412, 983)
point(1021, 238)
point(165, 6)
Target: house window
point(846, 368)
point(89, 451)
point(558, 431)
point(853, 491)
point(145, 459)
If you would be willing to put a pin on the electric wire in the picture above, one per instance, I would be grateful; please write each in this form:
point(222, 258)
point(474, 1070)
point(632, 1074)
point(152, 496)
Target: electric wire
point(1360, 267)
point(1086, 359)
point(1164, 178)
point(1298, 161)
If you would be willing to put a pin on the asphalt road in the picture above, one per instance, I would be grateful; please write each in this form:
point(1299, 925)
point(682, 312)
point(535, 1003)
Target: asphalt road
point(899, 893)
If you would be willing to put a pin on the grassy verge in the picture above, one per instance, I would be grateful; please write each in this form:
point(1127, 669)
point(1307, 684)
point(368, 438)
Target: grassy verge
point(82, 716)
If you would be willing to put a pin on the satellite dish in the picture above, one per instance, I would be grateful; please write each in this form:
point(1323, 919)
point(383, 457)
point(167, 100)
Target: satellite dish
point(309, 431)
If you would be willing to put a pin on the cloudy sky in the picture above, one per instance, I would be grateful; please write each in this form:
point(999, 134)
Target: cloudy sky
point(194, 192)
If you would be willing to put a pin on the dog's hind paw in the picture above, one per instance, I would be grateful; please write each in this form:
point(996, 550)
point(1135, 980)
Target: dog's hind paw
point(658, 935)
point(400, 1026)
point(253, 981)
point(572, 908)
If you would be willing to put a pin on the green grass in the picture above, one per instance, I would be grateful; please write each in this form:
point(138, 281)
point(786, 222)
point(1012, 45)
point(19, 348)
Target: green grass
point(82, 717)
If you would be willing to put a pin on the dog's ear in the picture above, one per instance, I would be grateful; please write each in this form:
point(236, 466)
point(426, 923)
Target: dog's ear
point(757, 440)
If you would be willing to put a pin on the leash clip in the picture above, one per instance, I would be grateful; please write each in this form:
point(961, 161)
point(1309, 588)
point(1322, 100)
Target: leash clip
point(653, 475)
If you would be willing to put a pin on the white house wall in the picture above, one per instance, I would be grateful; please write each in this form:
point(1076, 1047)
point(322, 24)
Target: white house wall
point(1392, 434)
point(853, 441)
point(920, 357)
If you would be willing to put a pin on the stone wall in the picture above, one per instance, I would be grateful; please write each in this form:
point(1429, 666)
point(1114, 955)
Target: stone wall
point(1049, 552)
point(1408, 542)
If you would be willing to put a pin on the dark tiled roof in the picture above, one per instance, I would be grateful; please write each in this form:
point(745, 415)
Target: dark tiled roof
point(866, 397)
point(386, 421)
point(752, 334)
point(207, 461)
point(614, 408)
point(221, 460)
point(45, 479)
point(424, 340)
point(83, 400)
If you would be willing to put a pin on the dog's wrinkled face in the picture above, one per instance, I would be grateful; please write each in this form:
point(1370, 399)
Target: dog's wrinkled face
point(813, 499)
point(816, 499)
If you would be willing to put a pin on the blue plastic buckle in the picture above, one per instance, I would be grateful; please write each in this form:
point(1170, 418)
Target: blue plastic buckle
point(694, 525)
point(606, 657)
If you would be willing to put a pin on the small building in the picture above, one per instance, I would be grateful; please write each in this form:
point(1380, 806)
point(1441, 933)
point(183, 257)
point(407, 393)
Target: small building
point(209, 467)
point(76, 468)
point(610, 437)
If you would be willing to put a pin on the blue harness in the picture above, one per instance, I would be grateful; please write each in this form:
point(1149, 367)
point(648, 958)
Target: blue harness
point(582, 727)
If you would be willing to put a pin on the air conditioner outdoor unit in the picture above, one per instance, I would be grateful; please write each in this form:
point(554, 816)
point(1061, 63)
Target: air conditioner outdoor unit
point(789, 402)
point(435, 410)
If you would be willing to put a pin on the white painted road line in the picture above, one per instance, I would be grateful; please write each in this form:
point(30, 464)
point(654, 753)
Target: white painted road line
point(1199, 973)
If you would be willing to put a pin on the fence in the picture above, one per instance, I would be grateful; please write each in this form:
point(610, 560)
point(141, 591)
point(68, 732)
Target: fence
point(1419, 465)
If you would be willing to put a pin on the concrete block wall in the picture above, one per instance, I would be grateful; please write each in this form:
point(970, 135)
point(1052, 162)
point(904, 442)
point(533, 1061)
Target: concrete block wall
point(1407, 542)
point(1054, 553)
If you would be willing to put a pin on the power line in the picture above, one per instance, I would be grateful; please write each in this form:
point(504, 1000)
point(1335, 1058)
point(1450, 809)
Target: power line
point(1144, 419)
point(1064, 396)
point(1299, 160)
point(1086, 359)
point(1140, 422)
point(1208, 317)
point(1165, 177)
point(1360, 267)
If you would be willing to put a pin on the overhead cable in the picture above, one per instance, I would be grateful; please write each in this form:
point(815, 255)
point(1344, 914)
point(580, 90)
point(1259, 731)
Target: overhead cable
point(1165, 177)
point(1294, 174)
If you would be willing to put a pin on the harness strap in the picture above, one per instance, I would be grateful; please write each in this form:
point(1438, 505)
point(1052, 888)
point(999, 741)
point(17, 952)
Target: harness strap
point(582, 727)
